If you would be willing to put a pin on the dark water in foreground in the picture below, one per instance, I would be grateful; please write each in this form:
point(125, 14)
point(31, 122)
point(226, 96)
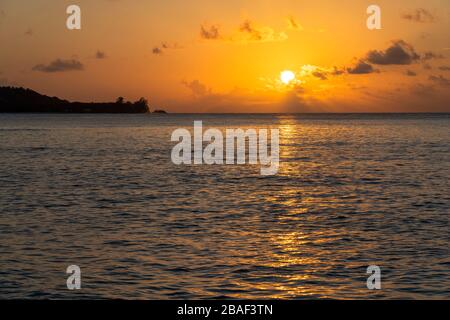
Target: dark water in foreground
point(100, 191)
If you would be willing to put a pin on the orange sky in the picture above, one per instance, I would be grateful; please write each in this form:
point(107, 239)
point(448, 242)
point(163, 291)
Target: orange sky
point(226, 56)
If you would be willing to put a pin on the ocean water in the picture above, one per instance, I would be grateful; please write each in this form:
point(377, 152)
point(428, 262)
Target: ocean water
point(101, 192)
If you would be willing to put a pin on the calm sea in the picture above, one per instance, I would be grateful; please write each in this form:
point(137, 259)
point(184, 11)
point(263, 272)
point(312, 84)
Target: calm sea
point(101, 192)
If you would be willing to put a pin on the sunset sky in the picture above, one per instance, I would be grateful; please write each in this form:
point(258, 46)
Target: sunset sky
point(227, 56)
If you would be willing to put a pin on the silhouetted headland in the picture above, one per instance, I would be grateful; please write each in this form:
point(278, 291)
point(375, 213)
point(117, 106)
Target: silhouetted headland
point(25, 100)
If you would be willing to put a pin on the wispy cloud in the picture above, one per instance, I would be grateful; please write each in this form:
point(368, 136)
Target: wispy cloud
point(321, 75)
point(429, 55)
point(253, 33)
point(100, 55)
point(60, 65)
point(440, 80)
point(247, 32)
point(320, 72)
point(159, 50)
point(211, 32)
point(427, 66)
point(420, 15)
point(293, 23)
point(423, 90)
point(197, 88)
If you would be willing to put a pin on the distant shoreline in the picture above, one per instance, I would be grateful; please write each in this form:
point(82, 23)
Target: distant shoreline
point(21, 100)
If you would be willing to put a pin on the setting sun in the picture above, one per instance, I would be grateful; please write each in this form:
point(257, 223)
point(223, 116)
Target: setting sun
point(287, 76)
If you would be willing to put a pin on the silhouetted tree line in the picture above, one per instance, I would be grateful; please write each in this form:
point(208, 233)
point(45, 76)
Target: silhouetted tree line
point(26, 100)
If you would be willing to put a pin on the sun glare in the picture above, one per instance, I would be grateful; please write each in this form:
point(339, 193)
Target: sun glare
point(287, 76)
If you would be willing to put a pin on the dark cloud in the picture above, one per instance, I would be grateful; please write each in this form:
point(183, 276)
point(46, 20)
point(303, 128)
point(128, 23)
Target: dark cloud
point(420, 15)
point(210, 32)
point(410, 73)
point(440, 80)
point(320, 75)
point(399, 53)
point(361, 68)
point(157, 50)
point(100, 55)
point(60, 65)
point(29, 32)
point(444, 68)
point(163, 47)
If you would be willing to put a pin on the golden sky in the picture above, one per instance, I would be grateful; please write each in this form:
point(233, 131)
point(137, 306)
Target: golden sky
point(227, 56)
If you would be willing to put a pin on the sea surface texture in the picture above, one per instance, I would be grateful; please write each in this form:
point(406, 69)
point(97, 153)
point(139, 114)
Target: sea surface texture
point(101, 192)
